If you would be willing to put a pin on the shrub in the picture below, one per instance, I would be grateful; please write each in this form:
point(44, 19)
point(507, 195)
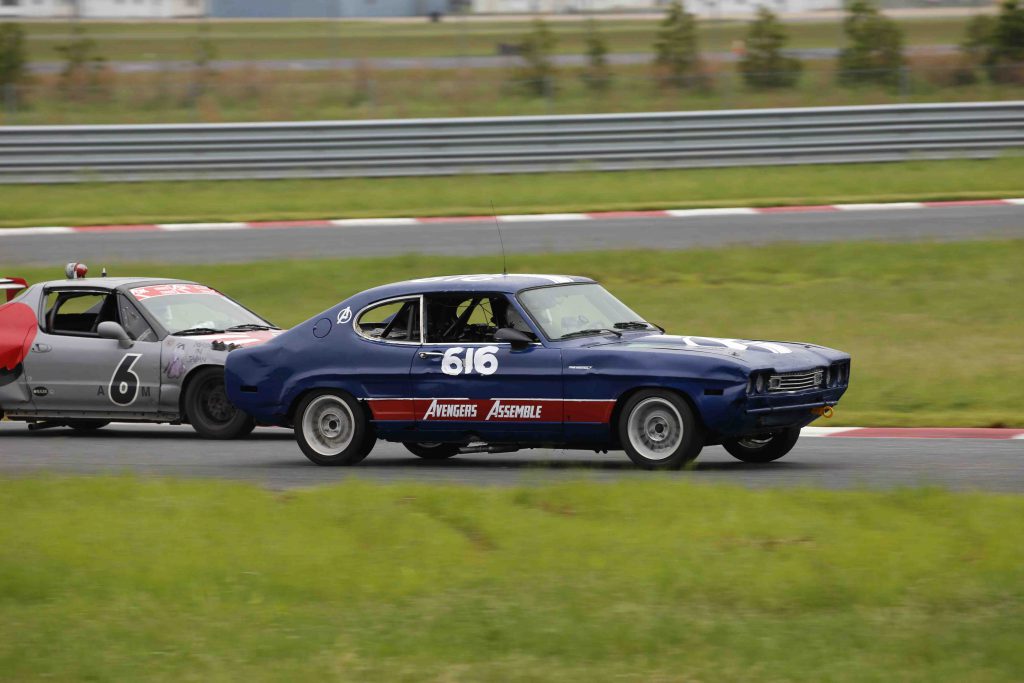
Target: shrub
point(874, 49)
point(537, 72)
point(677, 57)
point(764, 65)
point(597, 76)
point(12, 54)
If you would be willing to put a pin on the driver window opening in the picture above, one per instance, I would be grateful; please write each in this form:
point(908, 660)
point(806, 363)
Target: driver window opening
point(79, 313)
point(470, 318)
point(393, 321)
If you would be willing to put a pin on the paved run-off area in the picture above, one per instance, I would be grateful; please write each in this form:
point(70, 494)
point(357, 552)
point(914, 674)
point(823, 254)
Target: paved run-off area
point(271, 457)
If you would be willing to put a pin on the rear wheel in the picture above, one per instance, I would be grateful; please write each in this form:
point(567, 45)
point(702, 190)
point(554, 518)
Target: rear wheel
point(764, 448)
point(210, 412)
point(331, 428)
point(659, 430)
point(432, 451)
point(87, 425)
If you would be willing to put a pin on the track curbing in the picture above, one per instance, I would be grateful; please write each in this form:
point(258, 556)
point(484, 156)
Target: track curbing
point(660, 214)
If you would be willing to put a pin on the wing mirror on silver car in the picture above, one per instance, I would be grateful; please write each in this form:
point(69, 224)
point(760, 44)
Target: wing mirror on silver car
point(519, 340)
point(111, 330)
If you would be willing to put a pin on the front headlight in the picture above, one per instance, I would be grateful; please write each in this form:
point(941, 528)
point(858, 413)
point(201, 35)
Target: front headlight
point(759, 383)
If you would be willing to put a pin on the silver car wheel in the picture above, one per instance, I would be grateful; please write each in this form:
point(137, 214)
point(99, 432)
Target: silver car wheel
point(655, 428)
point(328, 425)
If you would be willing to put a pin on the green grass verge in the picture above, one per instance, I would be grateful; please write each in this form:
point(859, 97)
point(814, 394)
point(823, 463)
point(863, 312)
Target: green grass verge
point(117, 203)
point(934, 329)
point(149, 41)
point(120, 579)
point(367, 93)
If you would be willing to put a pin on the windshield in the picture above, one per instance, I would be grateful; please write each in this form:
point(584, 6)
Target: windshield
point(181, 307)
point(568, 310)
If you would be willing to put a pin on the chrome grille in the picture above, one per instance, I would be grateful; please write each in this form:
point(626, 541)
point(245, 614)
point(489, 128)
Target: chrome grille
point(797, 381)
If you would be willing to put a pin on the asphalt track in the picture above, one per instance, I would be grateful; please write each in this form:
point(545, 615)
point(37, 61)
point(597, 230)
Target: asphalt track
point(475, 236)
point(271, 458)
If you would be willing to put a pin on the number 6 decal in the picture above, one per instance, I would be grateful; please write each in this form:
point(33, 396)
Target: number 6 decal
point(124, 384)
point(482, 361)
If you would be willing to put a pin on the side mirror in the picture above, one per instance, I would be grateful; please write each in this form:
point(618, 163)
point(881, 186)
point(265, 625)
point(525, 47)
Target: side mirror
point(518, 340)
point(111, 330)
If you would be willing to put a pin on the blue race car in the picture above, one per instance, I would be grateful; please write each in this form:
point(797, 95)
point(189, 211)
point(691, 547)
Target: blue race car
point(495, 363)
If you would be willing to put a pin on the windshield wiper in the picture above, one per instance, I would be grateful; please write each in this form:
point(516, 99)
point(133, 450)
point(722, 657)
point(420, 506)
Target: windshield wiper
point(246, 327)
point(632, 325)
point(596, 330)
point(195, 330)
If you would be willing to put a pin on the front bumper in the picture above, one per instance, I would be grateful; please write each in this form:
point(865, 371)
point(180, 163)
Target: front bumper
point(742, 415)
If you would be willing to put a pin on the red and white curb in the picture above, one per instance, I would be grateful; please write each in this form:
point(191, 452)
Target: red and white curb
point(507, 218)
point(914, 432)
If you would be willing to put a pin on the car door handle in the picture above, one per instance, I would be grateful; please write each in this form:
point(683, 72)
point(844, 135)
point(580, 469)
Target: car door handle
point(431, 354)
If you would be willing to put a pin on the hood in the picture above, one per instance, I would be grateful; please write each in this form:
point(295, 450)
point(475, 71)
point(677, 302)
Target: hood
point(227, 341)
point(759, 354)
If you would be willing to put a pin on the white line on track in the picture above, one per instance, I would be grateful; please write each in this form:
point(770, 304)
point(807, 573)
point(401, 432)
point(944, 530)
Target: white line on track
point(342, 222)
point(536, 217)
point(198, 227)
point(14, 232)
point(879, 207)
point(734, 211)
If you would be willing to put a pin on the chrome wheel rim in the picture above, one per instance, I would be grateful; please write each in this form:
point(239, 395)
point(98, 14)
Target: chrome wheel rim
point(756, 441)
point(328, 425)
point(655, 428)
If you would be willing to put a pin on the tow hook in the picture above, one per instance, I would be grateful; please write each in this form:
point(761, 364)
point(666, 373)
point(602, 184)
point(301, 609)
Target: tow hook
point(823, 411)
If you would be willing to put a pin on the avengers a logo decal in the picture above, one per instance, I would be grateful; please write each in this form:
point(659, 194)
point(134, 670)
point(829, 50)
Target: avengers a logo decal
point(344, 315)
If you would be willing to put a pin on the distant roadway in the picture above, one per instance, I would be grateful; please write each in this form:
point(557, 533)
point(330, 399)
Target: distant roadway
point(433, 63)
point(473, 237)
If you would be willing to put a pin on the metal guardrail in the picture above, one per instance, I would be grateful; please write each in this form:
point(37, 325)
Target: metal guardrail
point(51, 154)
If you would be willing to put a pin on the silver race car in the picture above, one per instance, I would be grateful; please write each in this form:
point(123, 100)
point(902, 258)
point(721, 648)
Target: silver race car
point(83, 352)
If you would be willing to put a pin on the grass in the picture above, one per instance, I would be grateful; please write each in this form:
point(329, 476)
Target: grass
point(245, 40)
point(121, 579)
point(113, 203)
point(250, 94)
point(934, 329)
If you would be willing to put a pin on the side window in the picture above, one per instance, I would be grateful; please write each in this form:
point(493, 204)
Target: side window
point(133, 322)
point(78, 313)
point(469, 318)
point(392, 321)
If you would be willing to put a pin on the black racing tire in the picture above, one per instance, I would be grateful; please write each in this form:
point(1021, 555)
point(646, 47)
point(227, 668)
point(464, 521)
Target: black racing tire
point(87, 425)
point(659, 430)
point(208, 409)
point(332, 429)
point(761, 449)
point(432, 451)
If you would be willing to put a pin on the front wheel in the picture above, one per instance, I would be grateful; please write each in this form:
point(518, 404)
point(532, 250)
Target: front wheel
point(659, 430)
point(331, 429)
point(432, 451)
point(209, 411)
point(764, 448)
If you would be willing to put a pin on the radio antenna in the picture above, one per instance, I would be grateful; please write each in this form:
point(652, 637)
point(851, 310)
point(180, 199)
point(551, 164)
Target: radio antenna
point(497, 226)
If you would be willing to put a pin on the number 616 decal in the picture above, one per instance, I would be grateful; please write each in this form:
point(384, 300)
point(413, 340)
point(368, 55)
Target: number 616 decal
point(461, 361)
point(124, 384)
